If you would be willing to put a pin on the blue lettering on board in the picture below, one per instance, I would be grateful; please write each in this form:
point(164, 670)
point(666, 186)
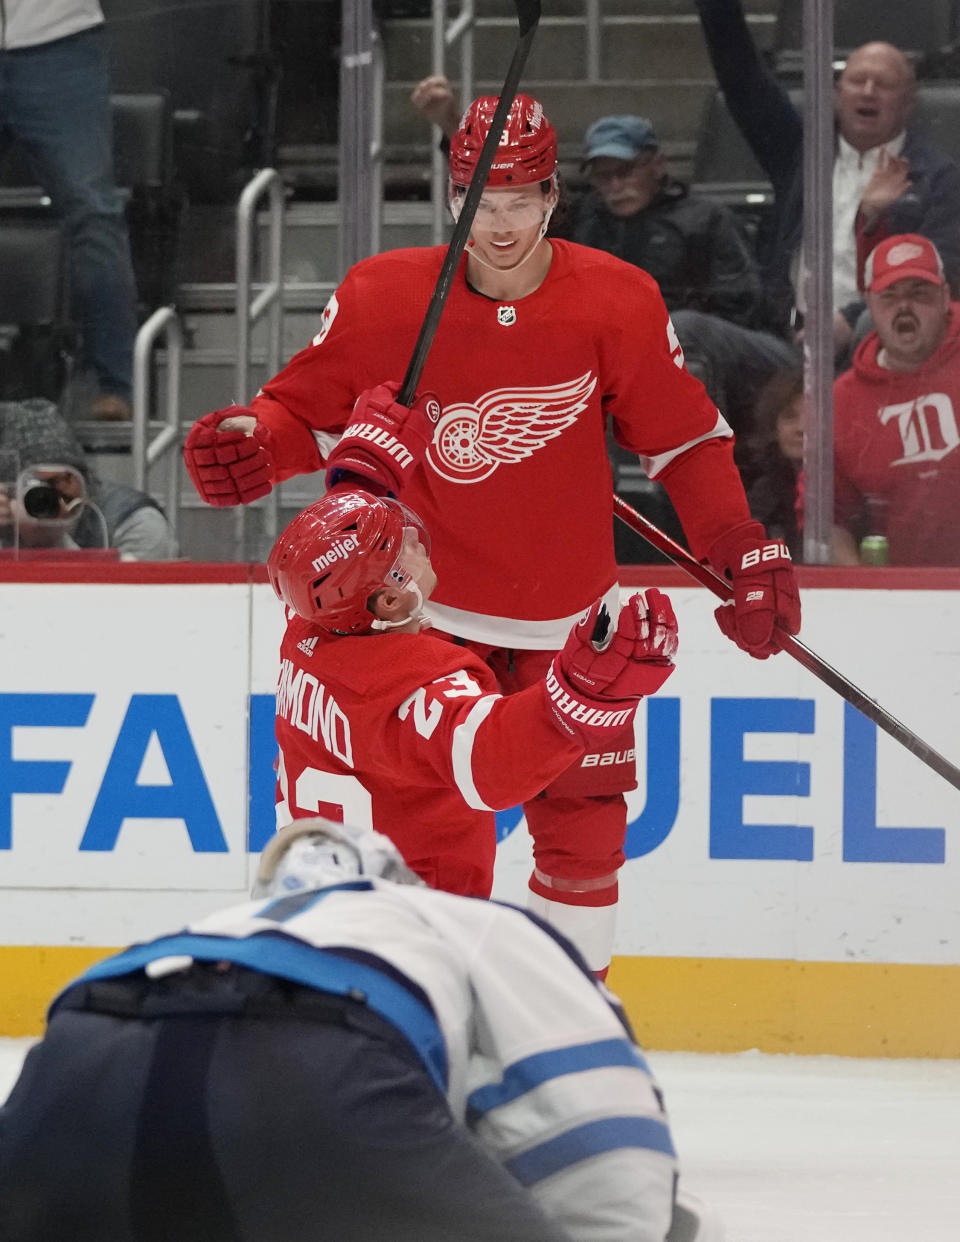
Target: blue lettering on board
point(652, 826)
point(863, 839)
point(732, 778)
point(34, 776)
point(263, 775)
point(186, 797)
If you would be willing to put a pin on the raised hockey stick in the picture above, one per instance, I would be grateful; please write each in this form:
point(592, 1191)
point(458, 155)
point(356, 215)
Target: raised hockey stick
point(528, 15)
point(793, 646)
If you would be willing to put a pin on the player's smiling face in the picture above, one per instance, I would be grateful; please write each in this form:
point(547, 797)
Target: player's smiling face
point(508, 222)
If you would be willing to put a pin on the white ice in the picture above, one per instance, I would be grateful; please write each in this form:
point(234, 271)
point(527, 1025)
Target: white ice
point(801, 1149)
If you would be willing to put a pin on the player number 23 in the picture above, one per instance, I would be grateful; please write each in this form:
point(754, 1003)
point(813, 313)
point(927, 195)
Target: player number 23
point(426, 715)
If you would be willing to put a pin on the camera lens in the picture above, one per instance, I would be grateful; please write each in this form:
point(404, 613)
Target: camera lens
point(42, 501)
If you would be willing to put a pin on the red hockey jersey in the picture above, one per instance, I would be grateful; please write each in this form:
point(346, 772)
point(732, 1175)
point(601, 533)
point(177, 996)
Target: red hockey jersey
point(897, 451)
point(516, 488)
point(407, 734)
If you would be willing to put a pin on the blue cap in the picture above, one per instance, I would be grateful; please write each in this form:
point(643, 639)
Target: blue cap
point(619, 138)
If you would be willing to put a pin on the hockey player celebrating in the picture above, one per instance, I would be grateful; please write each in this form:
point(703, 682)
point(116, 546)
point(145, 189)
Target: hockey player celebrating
point(541, 342)
point(382, 724)
point(351, 1056)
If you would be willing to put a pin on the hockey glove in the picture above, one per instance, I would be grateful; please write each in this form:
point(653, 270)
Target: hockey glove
point(228, 467)
point(765, 591)
point(596, 681)
point(384, 441)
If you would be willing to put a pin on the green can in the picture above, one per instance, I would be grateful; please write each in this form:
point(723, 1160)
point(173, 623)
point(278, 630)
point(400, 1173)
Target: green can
point(874, 550)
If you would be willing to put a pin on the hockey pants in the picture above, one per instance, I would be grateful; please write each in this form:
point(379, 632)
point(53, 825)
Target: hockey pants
point(578, 823)
point(305, 1116)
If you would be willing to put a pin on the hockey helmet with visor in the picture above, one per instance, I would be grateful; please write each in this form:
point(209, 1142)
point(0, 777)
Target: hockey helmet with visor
point(526, 155)
point(338, 552)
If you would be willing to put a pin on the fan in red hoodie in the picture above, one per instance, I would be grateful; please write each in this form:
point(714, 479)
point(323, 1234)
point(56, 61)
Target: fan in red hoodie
point(896, 464)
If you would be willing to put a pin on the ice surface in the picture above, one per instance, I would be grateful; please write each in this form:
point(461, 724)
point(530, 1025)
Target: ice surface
point(801, 1149)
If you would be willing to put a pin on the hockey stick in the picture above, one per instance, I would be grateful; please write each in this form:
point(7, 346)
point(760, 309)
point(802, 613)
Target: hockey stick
point(793, 646)
point(528, 15)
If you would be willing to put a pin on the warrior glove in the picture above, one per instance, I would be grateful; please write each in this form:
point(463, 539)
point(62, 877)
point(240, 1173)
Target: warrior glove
point(596, 681)
point(228, 467)
point(765, 593)
point(384, 441)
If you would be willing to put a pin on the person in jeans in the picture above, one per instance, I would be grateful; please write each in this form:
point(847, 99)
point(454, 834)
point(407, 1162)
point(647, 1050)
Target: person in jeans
point(55, 102)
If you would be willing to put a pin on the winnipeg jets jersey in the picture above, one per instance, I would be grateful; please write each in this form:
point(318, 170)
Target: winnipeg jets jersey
point(407, 734)
point(516, 486)
point(529, 1049)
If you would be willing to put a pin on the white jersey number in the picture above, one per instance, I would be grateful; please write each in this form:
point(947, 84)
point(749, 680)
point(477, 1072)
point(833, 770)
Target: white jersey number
point(314, 786)
point(426, 715)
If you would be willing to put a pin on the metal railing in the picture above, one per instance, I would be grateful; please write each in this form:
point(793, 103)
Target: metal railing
point(144, 451)
point(251, 309)
point(360, 169)
point(447, 35)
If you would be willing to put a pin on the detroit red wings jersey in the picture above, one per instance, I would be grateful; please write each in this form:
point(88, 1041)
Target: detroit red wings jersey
point(897, 451)
point(407, 734)
point(516, 488)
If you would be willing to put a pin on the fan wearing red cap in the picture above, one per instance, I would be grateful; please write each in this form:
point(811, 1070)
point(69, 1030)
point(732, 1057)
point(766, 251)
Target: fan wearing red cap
point(897, 438)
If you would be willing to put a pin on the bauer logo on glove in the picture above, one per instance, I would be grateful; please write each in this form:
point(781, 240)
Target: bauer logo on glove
point(773, 551)
point(765, 596)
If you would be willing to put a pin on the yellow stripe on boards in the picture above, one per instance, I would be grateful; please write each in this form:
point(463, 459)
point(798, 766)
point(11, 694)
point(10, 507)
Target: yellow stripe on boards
point(856, 1009)
point(31, 976)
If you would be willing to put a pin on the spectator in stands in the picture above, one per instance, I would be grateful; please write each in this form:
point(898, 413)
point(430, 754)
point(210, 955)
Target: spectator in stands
point(886, 178)
point(433, 98)
point(773, 459)
point(633, 208)
point(54, 100)
point(57, 501)
point(897, 433)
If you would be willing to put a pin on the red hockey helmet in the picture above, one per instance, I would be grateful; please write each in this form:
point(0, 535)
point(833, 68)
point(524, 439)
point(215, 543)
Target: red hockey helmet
point(335, 554)
point(527, 152)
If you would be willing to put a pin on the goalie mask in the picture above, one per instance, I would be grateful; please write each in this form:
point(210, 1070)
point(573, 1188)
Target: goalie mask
point(315, 853)
point(527, 153)
point(339, 552)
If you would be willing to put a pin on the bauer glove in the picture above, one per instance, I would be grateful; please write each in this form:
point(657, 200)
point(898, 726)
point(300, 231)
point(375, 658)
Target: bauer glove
point(765, 591)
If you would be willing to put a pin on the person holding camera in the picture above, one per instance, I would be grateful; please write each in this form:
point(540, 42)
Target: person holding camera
point(50, 498)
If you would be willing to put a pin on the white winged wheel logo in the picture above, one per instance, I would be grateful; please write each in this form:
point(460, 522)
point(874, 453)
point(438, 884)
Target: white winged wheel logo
point(504, 426)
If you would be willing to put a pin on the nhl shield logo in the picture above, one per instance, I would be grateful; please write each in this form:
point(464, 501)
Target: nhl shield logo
point(506, 315)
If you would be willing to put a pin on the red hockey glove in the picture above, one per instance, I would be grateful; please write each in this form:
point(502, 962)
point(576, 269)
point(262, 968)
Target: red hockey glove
point(384, 441)
point(596, 681)
point(228, 467)
point(764, 588)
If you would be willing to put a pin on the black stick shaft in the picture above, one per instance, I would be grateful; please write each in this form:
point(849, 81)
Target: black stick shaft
point(528, 13)
point(794, 647)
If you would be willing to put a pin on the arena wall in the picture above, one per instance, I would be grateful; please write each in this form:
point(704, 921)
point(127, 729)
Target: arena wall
point(793, 873)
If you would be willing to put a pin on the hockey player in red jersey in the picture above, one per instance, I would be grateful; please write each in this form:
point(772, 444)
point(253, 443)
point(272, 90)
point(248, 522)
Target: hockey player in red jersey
point(380, 724)
point(540, 345)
